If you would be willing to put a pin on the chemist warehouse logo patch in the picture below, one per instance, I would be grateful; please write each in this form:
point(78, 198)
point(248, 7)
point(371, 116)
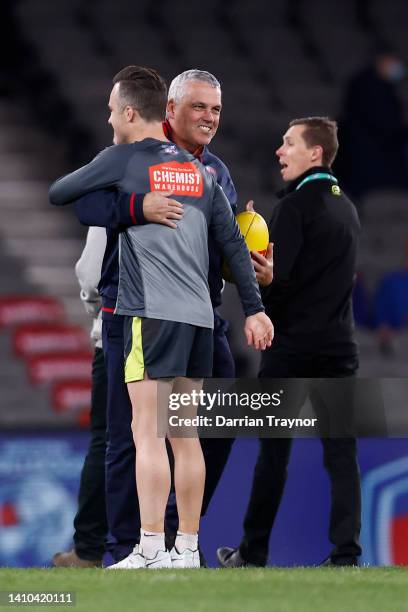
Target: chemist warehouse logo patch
point(183, 179)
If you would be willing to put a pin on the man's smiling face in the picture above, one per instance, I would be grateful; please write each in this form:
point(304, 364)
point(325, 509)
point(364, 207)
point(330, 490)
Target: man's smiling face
point(195, 117)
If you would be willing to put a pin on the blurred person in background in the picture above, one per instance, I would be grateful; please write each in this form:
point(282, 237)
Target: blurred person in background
point(390, 304)
point(315, 231)
point(373, 153)
point(362, 303)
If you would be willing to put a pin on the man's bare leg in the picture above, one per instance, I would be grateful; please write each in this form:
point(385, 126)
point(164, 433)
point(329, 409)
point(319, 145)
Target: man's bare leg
point(152, 479)
point(152, 464)
point(189, 475)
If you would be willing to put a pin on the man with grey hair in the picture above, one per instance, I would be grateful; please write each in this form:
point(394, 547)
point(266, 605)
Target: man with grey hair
point(192, 118)
point(177, 86)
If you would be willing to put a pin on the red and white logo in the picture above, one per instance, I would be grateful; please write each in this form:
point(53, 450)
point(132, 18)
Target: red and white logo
point(183, 179)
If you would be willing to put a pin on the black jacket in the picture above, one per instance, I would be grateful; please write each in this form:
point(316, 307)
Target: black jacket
point(315, 233)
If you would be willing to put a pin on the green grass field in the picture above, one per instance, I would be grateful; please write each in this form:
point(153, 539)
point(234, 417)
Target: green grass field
point(252, 590)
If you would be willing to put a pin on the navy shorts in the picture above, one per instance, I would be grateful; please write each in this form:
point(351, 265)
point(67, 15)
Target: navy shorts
point(166, 349)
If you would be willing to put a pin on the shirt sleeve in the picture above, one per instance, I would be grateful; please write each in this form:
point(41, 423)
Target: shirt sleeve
point(88, 269)
point(111, 209)
point(225, 181)
point(227, 234)
point(105, 170)
point(286, 233)
point(229, 190)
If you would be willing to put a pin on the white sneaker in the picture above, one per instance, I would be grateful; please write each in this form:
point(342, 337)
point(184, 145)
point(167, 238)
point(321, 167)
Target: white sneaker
point(135, 560)
point(187, 559)
point(162, 560)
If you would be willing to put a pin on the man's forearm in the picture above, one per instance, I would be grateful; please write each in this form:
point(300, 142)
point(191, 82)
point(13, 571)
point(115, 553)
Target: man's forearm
point(229, 238)
point(71, 187)
point(111, 209)
point(242, 270)
point(105, 170)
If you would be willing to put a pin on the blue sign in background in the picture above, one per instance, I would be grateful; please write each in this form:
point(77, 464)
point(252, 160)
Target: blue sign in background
point(39, 477)
point(300, 535)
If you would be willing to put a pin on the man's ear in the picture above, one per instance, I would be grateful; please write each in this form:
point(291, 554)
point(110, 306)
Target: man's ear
point(317, 153)
point(170, 109)
point(130, 113)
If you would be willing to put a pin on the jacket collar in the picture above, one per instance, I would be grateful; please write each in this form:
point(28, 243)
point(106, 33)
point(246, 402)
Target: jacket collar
point(290, 187)
point(168, 132)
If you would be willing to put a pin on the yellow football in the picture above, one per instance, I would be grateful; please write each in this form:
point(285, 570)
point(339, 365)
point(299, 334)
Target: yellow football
point(256, 234)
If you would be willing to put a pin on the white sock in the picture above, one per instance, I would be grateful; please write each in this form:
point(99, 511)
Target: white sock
point(186, 540)
point(151, 542)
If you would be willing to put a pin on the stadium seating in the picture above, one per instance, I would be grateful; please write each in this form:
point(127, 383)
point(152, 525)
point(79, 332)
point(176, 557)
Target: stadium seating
point(38, 248)
point(274, 60)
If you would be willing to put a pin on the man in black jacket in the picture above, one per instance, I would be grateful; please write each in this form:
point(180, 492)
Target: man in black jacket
point(315, 231)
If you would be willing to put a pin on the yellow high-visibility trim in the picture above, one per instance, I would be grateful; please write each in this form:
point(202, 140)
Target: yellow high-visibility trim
point(134, 365)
